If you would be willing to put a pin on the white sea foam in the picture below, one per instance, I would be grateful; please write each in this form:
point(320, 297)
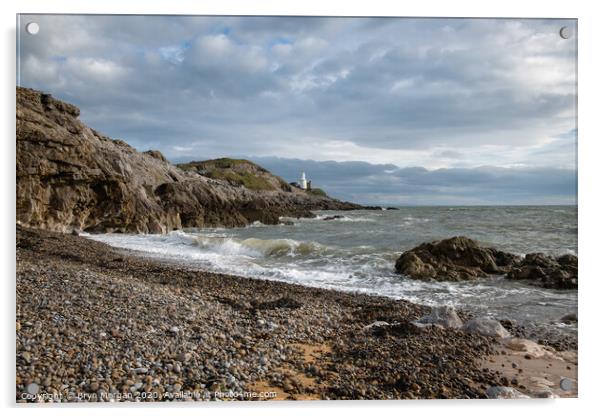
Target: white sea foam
point(341, 218)
point(357, 253)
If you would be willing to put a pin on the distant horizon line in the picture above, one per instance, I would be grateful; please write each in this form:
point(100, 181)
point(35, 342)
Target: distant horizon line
point(385, 205)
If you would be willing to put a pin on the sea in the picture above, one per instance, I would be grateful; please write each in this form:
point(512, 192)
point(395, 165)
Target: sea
point(356, 252)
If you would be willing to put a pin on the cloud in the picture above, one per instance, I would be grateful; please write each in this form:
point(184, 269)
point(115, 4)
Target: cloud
point(437, 93)
point(387, 184)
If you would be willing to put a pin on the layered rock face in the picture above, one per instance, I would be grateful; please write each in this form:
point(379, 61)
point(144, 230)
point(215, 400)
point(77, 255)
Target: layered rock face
point(69, 176)
point(455, 259)
point(460, 258)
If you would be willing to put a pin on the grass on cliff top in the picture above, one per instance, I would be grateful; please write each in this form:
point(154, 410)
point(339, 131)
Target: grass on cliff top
point(226, 169)
point(242, 172)
point(221, 163)
point(317, 192)
point(246, 179)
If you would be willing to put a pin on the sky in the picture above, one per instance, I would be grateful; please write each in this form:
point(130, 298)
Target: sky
point(375, 110)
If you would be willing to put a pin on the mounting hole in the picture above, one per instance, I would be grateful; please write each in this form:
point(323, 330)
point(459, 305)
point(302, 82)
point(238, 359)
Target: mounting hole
point(565, 32)
point(566, 384)
point(32, 28)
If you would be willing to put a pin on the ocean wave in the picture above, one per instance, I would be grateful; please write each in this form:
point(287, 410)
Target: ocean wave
point(257, 247)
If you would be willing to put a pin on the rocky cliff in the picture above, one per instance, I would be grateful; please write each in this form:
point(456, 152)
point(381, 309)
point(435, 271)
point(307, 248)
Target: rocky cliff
point(240, 172)
point(70, 176)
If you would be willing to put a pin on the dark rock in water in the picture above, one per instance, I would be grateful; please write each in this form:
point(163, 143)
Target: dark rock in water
point(392, 209)
point(333, 217)
point(547, 271)
point(460, 258)
point(453, 259)
point(569, 319)
point(71, 176)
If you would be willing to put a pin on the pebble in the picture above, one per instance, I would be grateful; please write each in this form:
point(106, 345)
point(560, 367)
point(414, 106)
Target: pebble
point(148, 346)
point(184, 357)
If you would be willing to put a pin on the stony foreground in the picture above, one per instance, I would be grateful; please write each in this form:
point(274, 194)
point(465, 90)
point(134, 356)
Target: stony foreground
point(99, 324)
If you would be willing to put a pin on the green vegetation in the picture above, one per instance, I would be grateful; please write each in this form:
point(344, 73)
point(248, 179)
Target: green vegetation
point(239, 172)
point(221, 163)
point(242, 172)
point(246, 179)
point(317, 192)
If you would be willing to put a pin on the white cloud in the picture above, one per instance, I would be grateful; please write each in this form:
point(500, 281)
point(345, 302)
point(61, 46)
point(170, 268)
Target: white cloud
point(99, 70)
point(407, 91)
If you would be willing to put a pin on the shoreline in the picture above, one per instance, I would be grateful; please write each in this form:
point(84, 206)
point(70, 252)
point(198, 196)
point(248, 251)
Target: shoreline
point(94, 322)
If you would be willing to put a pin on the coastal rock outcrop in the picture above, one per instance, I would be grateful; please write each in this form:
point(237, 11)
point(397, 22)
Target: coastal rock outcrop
point(453, 259)
point(70, 176)
point(460, 258)
point(547, 271)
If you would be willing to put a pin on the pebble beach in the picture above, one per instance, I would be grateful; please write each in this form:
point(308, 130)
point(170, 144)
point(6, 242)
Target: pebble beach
point(95, 323)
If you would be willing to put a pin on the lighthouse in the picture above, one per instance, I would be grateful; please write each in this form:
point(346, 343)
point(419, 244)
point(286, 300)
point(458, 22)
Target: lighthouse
point(303, 181)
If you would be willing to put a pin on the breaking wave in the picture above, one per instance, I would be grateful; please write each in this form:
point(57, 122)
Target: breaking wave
point(357, 250)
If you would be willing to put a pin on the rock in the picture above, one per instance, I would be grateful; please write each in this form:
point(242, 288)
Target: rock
point(529, 348)
point(545, 394)
point(375, 324)
point(453, 259)
point(284, 302)
point(333, 217)
point(568, 356)
point(569, 319)
point(547, 271)
point(486, 326)
point(499, 392)
point(69, 176)
point(174, 330)
point(444, 316)
point(156, 154)
point(184, 357)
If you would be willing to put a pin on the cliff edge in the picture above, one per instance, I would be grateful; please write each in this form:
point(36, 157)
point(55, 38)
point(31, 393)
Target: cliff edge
point(70, 176)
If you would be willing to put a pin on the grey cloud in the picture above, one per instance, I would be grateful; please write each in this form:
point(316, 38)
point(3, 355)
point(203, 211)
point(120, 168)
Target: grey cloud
point(389, 184)
point(432, 92)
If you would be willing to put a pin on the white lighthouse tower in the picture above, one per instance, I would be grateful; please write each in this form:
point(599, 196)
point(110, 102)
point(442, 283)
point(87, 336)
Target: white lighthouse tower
point(303, 181)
